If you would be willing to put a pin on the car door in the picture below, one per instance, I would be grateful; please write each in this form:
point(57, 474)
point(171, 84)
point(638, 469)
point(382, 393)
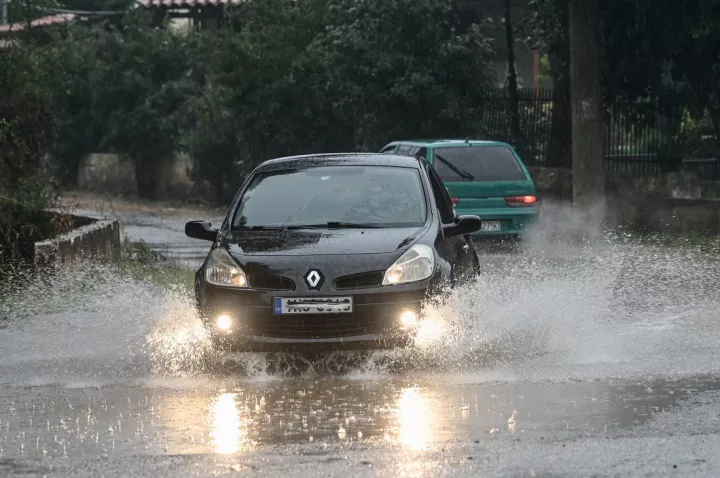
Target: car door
point(458, 251)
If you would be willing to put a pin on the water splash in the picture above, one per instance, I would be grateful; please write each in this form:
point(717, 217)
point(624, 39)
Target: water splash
point(542, 311)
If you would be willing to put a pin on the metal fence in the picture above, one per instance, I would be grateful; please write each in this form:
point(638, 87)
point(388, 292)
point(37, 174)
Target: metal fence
point(643, 139)
point(535, 111)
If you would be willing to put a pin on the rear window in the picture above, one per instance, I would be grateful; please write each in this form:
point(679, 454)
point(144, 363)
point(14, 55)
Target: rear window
point(477, 163)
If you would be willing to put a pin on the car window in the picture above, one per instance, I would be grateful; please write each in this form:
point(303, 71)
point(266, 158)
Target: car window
point(403, 149)
point(380, 196)
point(477, 163)
point(389, 148)
point(422, 153)
point(442, 198)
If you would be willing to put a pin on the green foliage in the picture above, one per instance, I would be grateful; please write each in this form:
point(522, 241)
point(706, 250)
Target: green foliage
point(658, 50)
point(26, 132)
point(75, 84)
point(97, 5)
point(659, 61)
point(331, 75)
point(246, 106)
point(401, 69)
point(139, 252)
point(142, 263)
point(21, 11)
point(143, 84)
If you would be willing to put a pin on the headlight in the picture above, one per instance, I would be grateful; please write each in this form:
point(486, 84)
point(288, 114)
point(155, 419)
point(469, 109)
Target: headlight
point(416, 264)
point(222, 270)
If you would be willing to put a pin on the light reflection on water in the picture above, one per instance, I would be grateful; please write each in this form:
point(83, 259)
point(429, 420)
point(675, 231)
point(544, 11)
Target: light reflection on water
point(228, 433)
point(414, 419)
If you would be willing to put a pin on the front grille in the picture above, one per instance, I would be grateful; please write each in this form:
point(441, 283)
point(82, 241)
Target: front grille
point(270, 282)
point(360, 281)
point(316, 326)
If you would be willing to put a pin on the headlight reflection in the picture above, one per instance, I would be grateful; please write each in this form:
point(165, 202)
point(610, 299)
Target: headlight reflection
point(413, 419)
point(227, 432)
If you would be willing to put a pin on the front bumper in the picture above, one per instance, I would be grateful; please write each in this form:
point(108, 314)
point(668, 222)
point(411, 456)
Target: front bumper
point(373, 324)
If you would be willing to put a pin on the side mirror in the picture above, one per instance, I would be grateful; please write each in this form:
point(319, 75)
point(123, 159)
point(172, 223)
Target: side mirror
point(201, 230)
point(466, 224)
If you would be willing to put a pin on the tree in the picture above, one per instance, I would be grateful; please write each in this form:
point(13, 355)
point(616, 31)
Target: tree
point(142, 90)
point(400, 69)
point(253, 97)
point(75, 83)
point(549, 33)
point(651, 51)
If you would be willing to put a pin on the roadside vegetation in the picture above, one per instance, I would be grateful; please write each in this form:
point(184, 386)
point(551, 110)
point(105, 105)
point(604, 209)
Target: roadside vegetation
point(24, 291)
point(142, 263)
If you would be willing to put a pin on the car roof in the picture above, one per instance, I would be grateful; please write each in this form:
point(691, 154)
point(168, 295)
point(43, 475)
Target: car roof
point(339, 159)
point(433, 143)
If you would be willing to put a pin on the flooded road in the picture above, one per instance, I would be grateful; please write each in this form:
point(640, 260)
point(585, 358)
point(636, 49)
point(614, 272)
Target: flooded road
point(561, 360)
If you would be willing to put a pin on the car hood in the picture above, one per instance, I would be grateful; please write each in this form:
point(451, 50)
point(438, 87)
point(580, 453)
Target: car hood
point(308, 242)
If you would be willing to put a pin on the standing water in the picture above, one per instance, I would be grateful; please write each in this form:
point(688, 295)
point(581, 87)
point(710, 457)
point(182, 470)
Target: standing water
point(551, 337)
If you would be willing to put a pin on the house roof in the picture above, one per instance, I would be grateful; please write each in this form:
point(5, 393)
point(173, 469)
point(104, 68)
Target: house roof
point(186, 3)
point(41, 22)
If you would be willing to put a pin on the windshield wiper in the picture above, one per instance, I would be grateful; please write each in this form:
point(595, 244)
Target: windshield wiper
point(462, 174)
point(336, 225)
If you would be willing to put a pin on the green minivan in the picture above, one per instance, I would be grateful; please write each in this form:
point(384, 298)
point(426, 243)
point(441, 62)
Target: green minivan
point(485, 178)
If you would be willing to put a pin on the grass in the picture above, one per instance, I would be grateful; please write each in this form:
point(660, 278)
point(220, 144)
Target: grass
point(141, 262)
point(138, 261)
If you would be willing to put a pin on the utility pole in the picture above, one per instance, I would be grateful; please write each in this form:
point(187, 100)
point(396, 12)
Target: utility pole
point(588, 135)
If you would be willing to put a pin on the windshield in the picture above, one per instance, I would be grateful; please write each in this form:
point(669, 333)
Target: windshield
point(369, 196)
point(477, 163)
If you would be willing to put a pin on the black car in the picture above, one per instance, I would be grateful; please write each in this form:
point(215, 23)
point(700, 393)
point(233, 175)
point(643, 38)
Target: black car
point(332, 250)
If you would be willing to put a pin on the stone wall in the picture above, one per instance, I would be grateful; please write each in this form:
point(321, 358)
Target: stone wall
point(112, 174)
point(667, 202)
point(97, 239)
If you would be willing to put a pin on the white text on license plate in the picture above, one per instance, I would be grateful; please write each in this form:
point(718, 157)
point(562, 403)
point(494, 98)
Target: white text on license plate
point(312, 305)
point(490, 226)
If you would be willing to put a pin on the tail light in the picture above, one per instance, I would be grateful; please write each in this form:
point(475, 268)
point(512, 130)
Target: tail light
point(455, 201)
point(520, 201)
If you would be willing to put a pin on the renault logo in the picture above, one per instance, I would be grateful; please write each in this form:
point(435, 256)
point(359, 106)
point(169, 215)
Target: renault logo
point(314, 279)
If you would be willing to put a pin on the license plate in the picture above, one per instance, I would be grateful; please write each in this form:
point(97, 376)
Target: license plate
point(490, 226)
point(312, 305)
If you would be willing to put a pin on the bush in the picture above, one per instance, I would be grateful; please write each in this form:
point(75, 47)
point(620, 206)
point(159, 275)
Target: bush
point(279, 78)
point(27, 130)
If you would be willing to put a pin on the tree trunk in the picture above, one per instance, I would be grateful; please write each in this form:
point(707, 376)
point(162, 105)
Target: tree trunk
point(515, 132)
point(148, 173)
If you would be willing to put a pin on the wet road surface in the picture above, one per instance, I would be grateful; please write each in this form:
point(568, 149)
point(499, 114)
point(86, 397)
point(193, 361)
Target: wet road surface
point(561, 360)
